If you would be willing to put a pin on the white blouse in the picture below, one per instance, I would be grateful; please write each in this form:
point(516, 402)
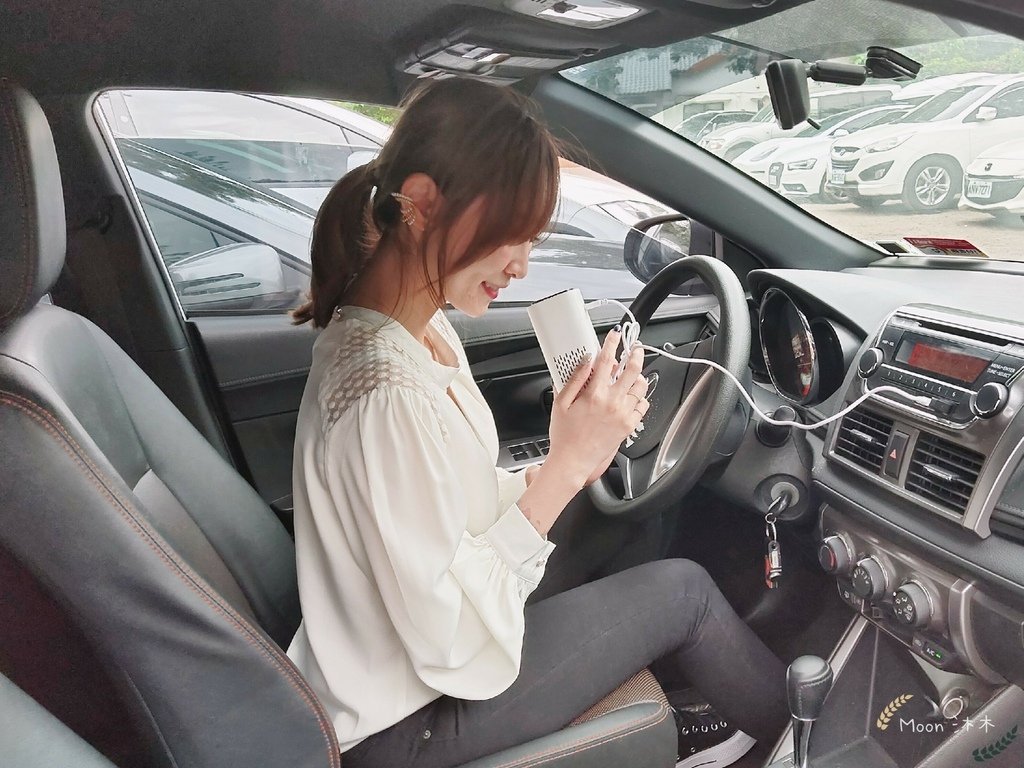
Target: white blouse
point(414, 560)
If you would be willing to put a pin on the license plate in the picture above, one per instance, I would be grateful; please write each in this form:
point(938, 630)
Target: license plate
point(976, 188)
point(838, 177)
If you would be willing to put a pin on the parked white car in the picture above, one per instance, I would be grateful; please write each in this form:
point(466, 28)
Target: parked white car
point(733, 140)
point(298, 148)
point(994, 182)
point(813, 144)
point(920, 158)
point(800, 169)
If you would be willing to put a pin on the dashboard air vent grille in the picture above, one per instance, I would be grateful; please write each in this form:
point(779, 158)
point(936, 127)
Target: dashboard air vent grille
point(862, 438)
point(943, 472)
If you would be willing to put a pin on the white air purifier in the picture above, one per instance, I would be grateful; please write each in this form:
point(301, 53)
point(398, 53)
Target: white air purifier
point(565, 333)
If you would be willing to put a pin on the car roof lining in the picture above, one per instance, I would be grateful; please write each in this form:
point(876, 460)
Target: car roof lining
point(336, 49)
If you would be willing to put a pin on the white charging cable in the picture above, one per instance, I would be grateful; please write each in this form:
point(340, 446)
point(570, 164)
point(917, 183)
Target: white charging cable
point(631, 339)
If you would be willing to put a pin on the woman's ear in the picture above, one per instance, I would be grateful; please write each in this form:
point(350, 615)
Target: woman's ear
point(423, 192)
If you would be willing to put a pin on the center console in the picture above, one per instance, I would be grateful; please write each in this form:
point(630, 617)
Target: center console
point(931, 672)
point(938, 433)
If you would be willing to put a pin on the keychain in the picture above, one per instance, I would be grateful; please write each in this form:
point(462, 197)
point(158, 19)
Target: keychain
point(773, 554)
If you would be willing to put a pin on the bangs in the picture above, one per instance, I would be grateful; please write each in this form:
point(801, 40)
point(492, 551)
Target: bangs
point(521, 196)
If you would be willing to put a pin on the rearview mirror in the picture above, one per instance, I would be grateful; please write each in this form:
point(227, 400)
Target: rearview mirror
point(787, 87)
point(233, 276)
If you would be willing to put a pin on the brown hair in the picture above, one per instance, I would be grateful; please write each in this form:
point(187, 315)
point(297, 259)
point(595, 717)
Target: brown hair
point(475, 140)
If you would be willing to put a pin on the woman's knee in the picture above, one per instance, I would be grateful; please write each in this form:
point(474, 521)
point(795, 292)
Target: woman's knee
point(690, 577)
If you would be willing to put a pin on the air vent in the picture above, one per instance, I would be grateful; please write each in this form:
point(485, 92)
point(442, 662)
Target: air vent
point(863, 436)
point(943, 472)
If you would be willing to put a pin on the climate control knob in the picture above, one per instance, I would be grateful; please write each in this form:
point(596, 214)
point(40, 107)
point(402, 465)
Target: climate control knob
point(989, 400)
point(870, 361)
point(835, 556)
point(868, 578)
point(912, 605)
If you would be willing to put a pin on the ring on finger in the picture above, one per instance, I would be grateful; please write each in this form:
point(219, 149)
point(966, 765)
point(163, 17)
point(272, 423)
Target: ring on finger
point(639, 395)
point(639, 399)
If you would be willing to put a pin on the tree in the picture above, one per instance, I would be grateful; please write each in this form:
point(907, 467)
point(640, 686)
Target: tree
point(382, 114)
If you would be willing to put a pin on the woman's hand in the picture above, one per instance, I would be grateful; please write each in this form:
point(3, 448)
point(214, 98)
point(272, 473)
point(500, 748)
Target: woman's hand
point(592, 415)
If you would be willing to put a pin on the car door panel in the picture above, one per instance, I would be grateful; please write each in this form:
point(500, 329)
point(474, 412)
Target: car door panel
point(260, 364)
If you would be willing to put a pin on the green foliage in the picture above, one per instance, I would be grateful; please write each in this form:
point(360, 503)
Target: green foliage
point(382, 114)
point(994, 54)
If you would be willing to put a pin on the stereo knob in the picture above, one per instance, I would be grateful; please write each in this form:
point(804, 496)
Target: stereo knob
point(870, 362)
point(869, 580)
point(912, 605)
point(989, 400)
point(835, 556)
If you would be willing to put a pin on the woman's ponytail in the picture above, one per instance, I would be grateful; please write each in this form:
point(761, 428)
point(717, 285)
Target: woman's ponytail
point(344, 237)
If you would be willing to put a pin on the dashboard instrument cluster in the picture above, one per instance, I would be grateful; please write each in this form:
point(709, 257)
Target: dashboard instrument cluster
point(805, 357)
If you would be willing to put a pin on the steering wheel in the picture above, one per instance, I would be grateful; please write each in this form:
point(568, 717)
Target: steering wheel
point(690, 404)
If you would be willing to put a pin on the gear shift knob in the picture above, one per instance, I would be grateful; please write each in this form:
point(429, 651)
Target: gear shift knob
point(808, 681)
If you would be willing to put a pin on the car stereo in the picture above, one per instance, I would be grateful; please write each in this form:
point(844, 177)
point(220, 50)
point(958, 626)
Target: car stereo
point(951, 372)
point(950, 421)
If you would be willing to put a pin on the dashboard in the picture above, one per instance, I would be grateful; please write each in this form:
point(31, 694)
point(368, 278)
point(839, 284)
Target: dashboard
point(917, 492)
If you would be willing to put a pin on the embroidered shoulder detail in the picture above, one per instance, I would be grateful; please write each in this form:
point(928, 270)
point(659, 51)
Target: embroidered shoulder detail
point(443, 325)
point(363, 363)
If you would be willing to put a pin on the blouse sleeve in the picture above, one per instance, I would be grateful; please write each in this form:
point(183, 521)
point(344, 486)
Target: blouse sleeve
point(511, 486)
point(456, 600)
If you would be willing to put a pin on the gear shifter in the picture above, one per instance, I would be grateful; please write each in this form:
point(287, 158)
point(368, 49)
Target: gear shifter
point(808, 681)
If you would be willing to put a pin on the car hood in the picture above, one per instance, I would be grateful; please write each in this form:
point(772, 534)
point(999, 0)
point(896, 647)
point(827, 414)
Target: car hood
point(1008, 150)
point(741, 131)
point(796, 149)
point(585, 187)
point(880, 132)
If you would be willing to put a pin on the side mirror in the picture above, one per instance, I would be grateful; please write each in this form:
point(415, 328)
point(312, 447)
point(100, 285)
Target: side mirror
point(652, 244)
point(230, 277)
point(840, 132)
point(359, 158)
point(984, 114)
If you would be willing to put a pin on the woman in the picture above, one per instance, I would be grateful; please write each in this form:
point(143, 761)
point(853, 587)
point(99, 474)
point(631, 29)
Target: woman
point(415, 554)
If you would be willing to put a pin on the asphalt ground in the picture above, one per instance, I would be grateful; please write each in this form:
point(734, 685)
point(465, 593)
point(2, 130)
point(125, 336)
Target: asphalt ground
point(999, 238)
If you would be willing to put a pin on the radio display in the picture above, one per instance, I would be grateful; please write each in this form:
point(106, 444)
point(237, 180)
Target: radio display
point(947, 360)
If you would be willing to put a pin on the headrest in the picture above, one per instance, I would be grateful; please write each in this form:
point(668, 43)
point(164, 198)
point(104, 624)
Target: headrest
point(32, 231)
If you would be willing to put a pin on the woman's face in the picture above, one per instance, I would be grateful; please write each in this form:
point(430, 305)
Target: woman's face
point(472, 289)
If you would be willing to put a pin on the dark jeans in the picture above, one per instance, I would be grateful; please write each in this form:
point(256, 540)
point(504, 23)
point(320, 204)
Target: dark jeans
point(582, 644)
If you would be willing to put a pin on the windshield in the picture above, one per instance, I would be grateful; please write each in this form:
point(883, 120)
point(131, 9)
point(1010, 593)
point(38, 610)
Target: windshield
point(952, 184)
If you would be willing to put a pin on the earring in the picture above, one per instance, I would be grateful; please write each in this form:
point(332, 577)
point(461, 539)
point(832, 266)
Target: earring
point(408, 213)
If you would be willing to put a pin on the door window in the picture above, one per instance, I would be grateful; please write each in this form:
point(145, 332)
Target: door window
point(216, 170)
point(1008, 103)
